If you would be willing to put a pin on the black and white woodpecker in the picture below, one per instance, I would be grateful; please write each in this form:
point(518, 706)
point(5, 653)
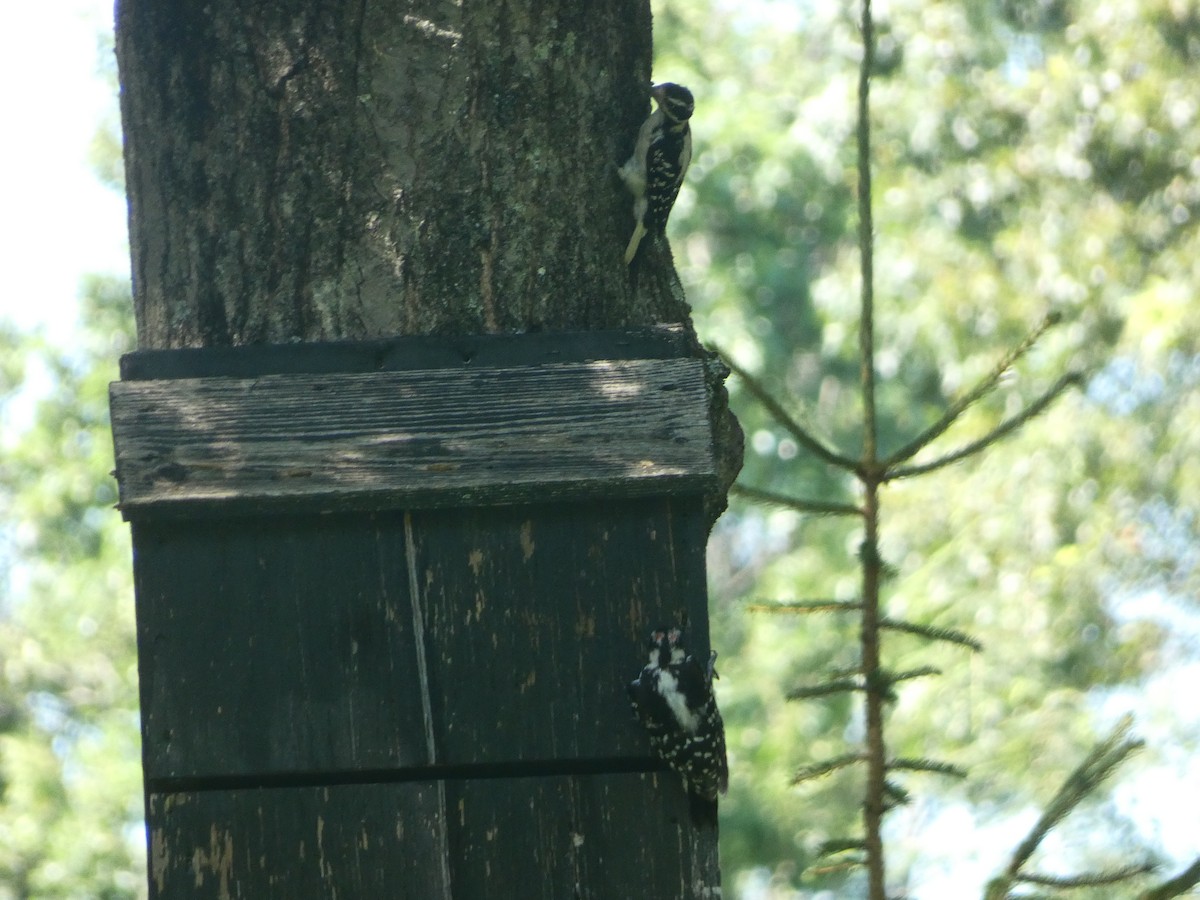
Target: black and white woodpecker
point(660, 159)
point(673, 699)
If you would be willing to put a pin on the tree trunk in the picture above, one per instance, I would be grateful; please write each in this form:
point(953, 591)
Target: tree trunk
point(330, 170)
point(304, 171)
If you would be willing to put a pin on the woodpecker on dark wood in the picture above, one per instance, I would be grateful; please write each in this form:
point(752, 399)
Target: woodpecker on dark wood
point(660, 159)
point(673, 699)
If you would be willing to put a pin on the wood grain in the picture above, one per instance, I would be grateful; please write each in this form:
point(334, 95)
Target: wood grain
point(389, 595)
point(275, 649)
point(438, 437)
point(589, 837)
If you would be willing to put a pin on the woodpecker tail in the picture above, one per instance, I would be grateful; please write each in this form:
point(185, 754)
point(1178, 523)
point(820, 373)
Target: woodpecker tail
point(635, 240)
point(703, 812)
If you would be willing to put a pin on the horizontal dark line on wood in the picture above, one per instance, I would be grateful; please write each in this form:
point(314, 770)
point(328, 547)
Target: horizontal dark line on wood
point(407, 353)
point(437, 437)
point(192, 508)
point(280, 780)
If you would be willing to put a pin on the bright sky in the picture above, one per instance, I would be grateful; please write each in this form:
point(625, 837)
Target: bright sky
point(57, 221)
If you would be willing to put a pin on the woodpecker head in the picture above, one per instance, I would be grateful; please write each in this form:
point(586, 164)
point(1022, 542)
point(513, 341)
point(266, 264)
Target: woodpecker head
point(666, 648)
point(675, 640)
point(660, 648)
point(674, 100)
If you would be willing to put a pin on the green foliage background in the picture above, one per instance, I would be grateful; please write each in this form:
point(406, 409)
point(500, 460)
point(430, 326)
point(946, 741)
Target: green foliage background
point(1031, 156)
point(70, 773)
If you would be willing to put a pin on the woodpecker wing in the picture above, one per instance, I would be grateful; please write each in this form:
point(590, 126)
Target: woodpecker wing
point(667, 161)
point(707, 757)
point(648, 703)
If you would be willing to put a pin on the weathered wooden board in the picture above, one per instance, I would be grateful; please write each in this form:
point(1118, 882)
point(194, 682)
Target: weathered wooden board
point(351, 841)
point(548, 609)
point(276, 646)
point(596, 837)
point(389, 595)
point(581, 837)
point(431, 437)
point(289, 646)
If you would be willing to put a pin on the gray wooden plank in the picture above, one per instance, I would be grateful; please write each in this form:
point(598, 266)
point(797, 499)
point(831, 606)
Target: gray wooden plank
point(587, 837)
point(284, 647)
point(434, 437)
point(584, 837)
point(537, 618)
point(275, 647)
point(315, 843)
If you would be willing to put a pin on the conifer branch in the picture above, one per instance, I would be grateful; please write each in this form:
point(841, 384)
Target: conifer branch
point(1099, 763)
point(825, 688)
point(1000, 431)
point(806, 606)
point(854, 670)
point(826, 767)
point(909, 674)
point(897, 796)
point(1093, 879)
point(802, 435)
point(840, 845)
point(978, 392)
point(1175, 887)
point(933, 766)
point(812, 507)
point(837, 867)
point(933, 633)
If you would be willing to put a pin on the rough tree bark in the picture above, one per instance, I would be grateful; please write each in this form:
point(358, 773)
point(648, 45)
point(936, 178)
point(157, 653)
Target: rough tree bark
point(316, 171)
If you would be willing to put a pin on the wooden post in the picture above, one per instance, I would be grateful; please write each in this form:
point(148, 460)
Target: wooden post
point(389, 595)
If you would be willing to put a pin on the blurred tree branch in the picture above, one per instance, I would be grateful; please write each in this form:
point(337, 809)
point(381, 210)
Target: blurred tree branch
point(798, 504)
point(804, 437)
point(933, 633)
point(1081, 783)
point(806, 606)
point(1175, 887)
point(1005, 428)
point(977, 393)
